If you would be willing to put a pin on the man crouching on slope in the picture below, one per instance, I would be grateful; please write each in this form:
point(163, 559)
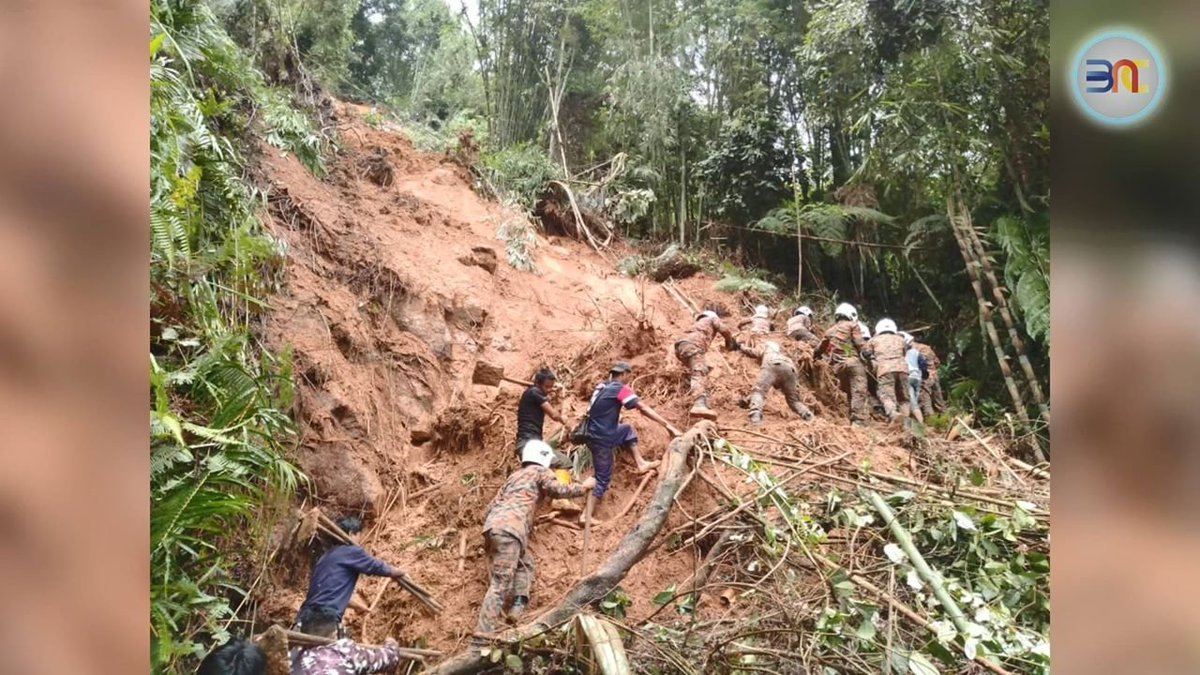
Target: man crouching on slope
point(508, 527)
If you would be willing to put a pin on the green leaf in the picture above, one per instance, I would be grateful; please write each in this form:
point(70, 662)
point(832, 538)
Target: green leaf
point(512, 663)
point(495, 655)
point(866, 631)
point(976, 477)
point(663, 597)
point(156, 43)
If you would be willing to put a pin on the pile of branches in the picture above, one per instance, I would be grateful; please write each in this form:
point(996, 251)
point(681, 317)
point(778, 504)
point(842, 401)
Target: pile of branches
point(817, 564)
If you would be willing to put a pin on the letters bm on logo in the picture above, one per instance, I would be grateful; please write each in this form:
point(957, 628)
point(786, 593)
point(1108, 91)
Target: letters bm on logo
point(1109, 74)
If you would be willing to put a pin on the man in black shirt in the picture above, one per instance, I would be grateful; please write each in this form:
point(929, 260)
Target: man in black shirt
point(534, 407)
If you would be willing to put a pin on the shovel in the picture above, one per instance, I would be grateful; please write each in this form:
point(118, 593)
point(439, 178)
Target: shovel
point(492, 375)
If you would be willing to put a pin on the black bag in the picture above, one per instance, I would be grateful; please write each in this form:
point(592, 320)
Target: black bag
point(579, 435)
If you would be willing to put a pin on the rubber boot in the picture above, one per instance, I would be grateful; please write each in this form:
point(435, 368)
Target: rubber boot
point(701, 409)
point(756, 419)
point(519, 605)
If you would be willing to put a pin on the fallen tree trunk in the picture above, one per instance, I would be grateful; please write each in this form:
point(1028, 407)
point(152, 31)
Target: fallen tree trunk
point(596, 585)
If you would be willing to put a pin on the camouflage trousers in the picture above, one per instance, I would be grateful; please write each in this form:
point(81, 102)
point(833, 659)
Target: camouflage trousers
point(852, 375)
point(692, 358)
point(931, 395)
point(889, 385)
point(512, 573)
point(778, 376)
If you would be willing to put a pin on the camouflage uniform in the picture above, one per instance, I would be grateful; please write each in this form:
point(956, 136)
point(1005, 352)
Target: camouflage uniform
point(841, 344)
point(778, 371)
point(344, 657)
point(691, 348)
point(931, 386)
point(506, 533)
point(800, 328)
point(891, 370)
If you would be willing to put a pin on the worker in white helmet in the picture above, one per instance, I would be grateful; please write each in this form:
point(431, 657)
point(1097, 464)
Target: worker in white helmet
point(778, 372)
point(886, 351)
point(507, 529)
point(690, 350)
point(841, 345)
point(800, 326)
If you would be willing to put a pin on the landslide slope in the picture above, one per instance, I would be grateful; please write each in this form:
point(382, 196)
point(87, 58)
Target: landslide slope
point(397, 287)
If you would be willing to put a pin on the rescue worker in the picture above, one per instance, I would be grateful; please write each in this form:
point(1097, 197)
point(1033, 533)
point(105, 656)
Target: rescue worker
point(886, 350)
point(335, 576)
point(605, 431)
point(800, 326)
point(916, 373)
point(778, 372)
point(760, 323)
point(342, 656)
point(690, 350)
point(841, 344)
point(931, 384)
point(507, 529)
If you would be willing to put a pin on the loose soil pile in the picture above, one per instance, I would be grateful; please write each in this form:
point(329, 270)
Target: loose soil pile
point(393, 294)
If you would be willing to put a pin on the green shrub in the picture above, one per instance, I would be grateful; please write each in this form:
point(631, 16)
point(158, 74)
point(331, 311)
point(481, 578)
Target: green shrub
point(731, 283)
point(520, 172)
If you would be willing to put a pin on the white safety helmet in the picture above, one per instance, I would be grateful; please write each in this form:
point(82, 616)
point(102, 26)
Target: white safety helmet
point(709, 313)
point(908, 338)
point(803, 309)
point(846, 311)
point(771, 346)
point(885, 326)
point(865, 331)
point(537, 452)
point(762, 312)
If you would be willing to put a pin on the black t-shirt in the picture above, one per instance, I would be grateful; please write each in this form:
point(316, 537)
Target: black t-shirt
point(530, 416)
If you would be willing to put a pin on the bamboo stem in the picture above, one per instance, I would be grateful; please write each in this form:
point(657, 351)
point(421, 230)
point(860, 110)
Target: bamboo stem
point(927, 574)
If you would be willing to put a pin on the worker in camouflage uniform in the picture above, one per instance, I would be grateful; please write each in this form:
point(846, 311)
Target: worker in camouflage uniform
point(887, 350)
point(342, 656)
point(778, 372)
point(800, 326)
point(931, 385)
point(507, 529)
point(841, 345)
point(760, 323)
point(690, 350)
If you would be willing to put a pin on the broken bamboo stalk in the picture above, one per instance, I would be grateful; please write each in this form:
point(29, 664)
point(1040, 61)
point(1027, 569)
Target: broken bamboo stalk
point(462, 550)
point(1041, 473)
point(927, 574)
point(985, 313)
point(1035, 386)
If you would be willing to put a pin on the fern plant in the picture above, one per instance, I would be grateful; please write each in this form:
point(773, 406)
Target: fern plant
point(830, 222)
point(217, 416)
